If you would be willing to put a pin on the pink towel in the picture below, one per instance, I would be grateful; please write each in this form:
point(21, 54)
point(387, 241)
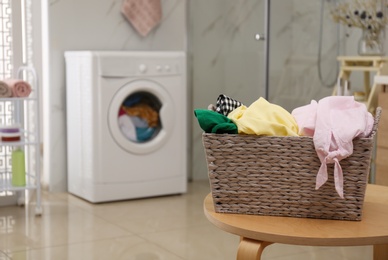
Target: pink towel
point(144, 15)
point(338, 120)
point(19, 87)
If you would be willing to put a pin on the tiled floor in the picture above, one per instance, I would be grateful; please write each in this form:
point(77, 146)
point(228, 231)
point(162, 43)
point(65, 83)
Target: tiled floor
point(163, 228)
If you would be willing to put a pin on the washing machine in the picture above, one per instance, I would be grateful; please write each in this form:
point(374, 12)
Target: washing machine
point(127, 124)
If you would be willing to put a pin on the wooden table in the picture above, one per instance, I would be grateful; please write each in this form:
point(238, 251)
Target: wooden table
point(257, 232)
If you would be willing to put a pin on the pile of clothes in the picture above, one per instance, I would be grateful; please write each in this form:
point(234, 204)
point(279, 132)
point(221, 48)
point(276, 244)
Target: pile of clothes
point(333, 122)
point(260, 118)
point(139, 118)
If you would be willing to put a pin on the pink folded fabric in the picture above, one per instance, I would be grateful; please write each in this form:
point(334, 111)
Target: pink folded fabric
point(20, 88)
point(338, 120)
point(5, 90)
point(144, 15)
point(305, 117)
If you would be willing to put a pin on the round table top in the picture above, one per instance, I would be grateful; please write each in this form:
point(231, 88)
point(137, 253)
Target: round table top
point(371, 230)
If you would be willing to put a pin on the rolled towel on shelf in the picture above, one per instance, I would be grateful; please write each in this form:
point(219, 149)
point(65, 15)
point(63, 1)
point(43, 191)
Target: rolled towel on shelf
point(5, 90)
point(20, 88)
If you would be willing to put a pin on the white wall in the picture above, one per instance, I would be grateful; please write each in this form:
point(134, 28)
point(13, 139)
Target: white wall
point(93, 25)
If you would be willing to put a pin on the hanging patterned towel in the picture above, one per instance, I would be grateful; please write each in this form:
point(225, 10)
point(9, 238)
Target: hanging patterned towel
point(225, 104)
point(144, 15)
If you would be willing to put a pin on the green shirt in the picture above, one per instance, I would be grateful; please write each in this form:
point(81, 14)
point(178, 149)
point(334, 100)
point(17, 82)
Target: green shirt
point(213, 122)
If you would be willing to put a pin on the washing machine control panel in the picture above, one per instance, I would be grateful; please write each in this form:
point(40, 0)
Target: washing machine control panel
point(158, 68)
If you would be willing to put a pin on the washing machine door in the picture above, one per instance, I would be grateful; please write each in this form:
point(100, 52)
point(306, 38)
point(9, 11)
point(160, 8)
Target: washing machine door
point(141, 116)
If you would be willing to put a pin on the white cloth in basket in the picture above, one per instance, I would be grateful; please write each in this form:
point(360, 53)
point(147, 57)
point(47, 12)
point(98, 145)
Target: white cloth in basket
point(333, 123)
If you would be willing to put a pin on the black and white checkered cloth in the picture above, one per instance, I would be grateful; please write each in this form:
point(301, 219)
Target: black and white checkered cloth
point(225, 104)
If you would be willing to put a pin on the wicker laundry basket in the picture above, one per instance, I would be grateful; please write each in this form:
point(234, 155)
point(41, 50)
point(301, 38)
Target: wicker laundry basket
point(268, 175)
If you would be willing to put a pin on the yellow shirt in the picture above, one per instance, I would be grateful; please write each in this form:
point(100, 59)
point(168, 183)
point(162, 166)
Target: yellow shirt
point(264, 118)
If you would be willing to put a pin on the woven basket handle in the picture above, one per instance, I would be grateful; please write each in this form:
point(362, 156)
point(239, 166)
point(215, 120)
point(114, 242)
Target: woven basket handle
point(376, 123)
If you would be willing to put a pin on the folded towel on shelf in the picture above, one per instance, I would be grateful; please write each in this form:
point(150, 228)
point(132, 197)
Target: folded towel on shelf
point(5, 90)
point(144, 15)
point(20, 88)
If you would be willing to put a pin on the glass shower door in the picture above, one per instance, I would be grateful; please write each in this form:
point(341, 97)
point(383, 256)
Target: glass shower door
point(225, 58)
point(304, 45)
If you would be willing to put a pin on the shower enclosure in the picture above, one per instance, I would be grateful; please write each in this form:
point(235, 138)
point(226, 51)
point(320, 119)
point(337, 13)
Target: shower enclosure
point(228, 58)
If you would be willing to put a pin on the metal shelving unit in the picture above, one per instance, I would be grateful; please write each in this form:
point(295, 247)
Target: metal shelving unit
point(25, 113)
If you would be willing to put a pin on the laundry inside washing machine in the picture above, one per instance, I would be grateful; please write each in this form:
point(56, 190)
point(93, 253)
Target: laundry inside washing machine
point(138, 117)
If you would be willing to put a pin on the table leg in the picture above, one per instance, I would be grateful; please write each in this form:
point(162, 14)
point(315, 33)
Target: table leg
point(250, 249)
point(380, 252)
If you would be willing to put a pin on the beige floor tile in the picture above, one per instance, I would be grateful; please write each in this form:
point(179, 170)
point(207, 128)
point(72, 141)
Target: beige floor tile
point(195, 190)
point(126, 248)
point(157, 223)
point(54, 230)
point(193, 243)
point(158, 214)
point(188, 205)
point(50, 204)
point(118, 211)
point(275, 251)
point(161, 206)
point(348, 253)
point(4, 256)
point(288, 252)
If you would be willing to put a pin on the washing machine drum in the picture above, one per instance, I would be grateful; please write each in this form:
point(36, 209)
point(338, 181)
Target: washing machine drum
point(141, 117)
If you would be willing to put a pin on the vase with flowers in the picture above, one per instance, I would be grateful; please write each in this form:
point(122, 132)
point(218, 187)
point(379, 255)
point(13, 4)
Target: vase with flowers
point(369, 16)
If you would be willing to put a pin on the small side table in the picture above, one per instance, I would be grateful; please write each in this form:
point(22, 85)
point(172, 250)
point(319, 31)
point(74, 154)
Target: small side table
point(366, 65)
point(257, 232)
